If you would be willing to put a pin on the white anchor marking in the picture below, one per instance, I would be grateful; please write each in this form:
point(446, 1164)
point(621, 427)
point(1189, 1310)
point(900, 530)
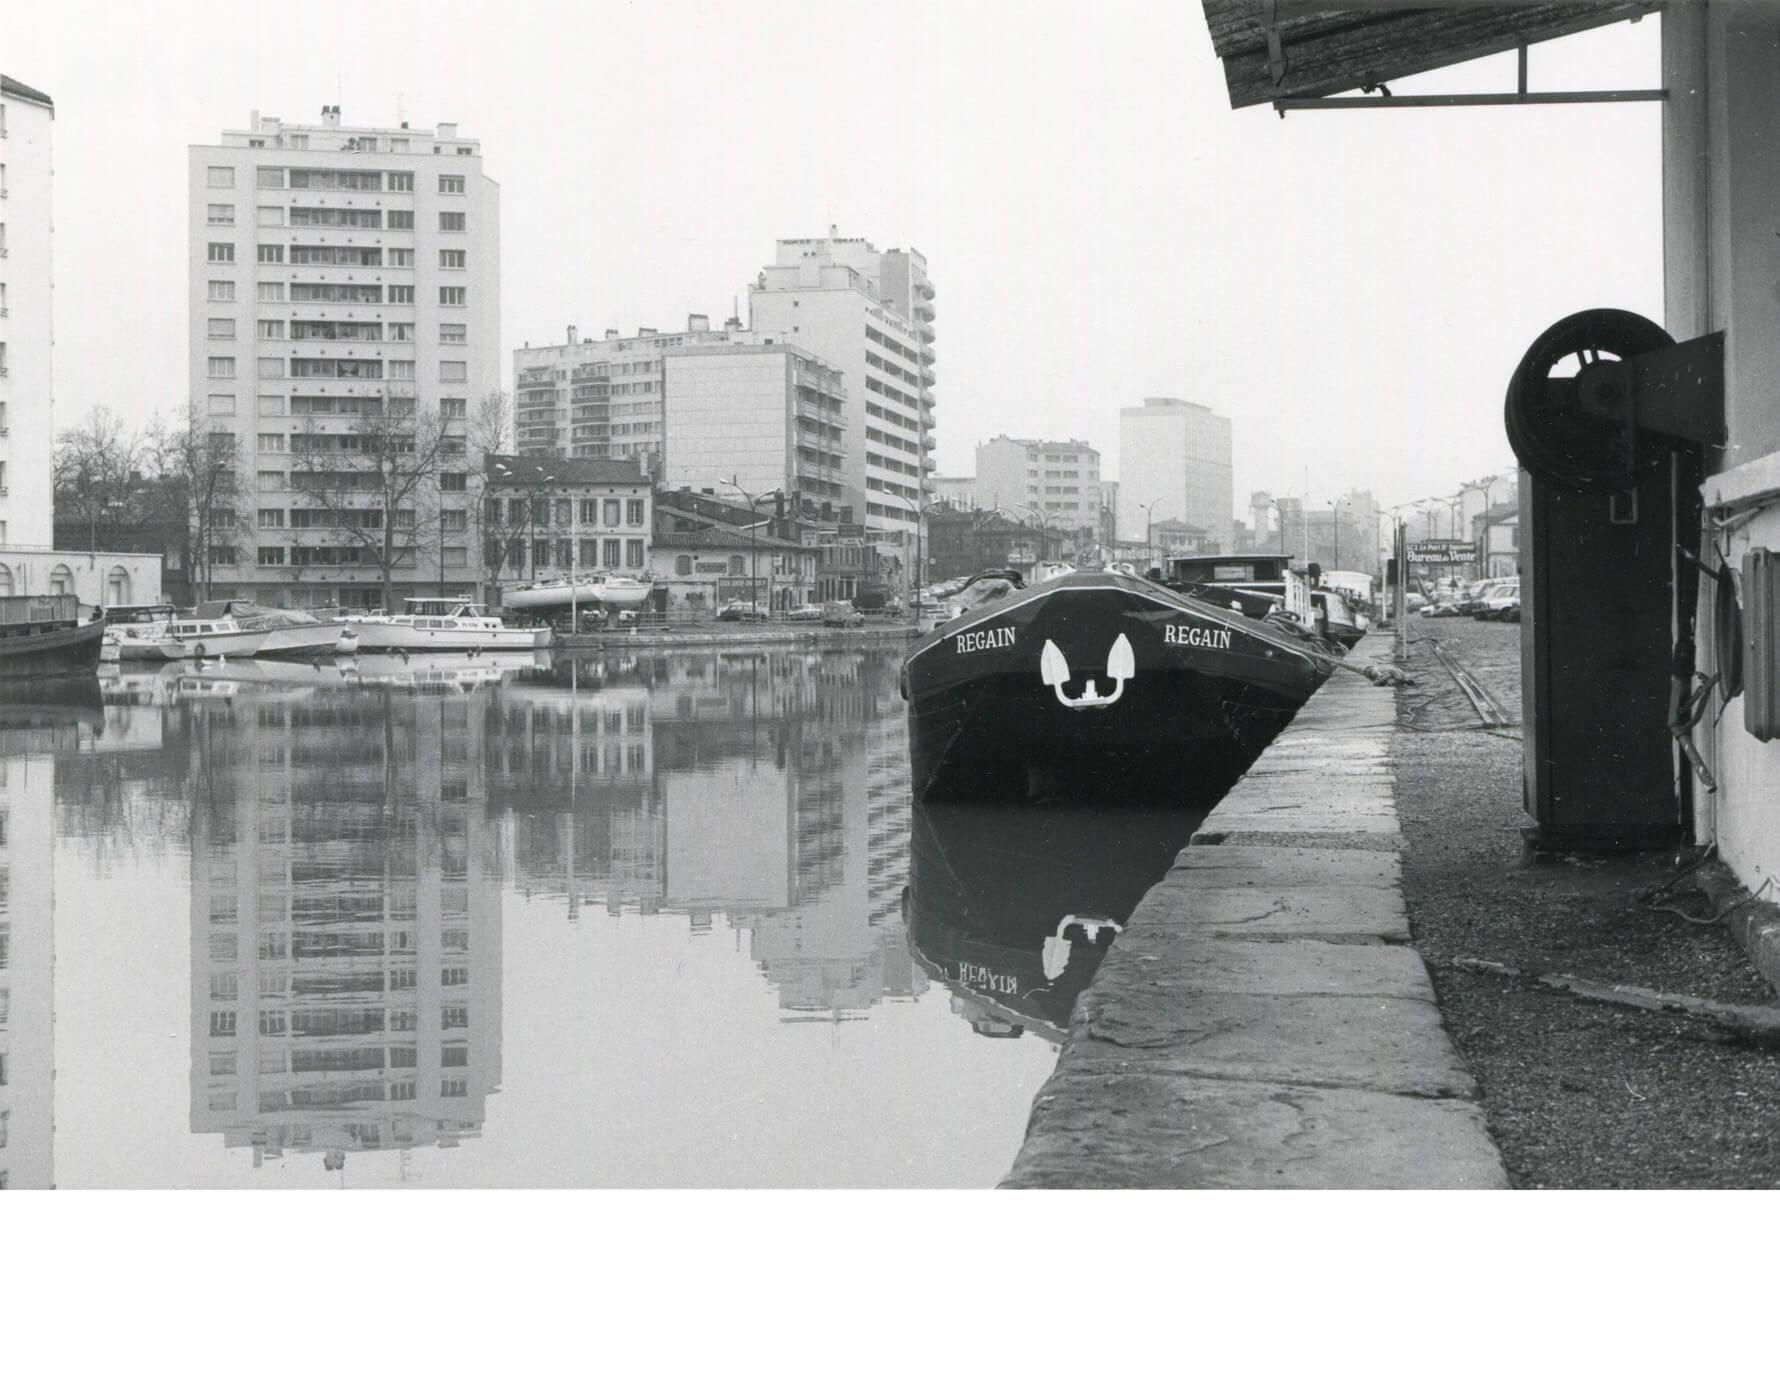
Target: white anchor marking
point(1121, 667)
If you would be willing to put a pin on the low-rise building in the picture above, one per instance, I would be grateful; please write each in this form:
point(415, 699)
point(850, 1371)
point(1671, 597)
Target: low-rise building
point(99, 578)
point(960, 543)
point(703, 568)
point(544, 517)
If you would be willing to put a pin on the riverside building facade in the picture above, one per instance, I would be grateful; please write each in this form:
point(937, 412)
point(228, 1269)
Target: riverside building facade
point(1174, 464)
point(341, 275)
point(27, 432)
point(868, 314)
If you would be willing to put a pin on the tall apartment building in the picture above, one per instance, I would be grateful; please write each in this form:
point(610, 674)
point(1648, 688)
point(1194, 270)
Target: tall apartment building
point(602, 398)
point(769, 417)
point(27, 431)
point(338, 272)
point(869, 314)
point(1174, 464)
point(1055, 483)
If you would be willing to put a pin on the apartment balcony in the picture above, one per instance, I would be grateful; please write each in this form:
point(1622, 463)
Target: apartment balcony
point(923, 312)
point(925, 330)
point(927, 377)
point(927, 355)
point(925, 288)
point(928, 442)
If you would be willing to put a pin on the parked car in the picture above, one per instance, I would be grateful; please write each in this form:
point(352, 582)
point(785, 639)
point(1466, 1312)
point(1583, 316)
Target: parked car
point(811, 611)
point(1500, 601)
point(739, 610)
point(842, 614)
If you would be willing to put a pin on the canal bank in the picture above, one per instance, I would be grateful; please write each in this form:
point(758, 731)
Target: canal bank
point(740, 634)
point(1263, 1022)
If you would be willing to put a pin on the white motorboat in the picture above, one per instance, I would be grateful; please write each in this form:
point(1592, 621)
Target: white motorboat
point(430, 624)
point(607, 589)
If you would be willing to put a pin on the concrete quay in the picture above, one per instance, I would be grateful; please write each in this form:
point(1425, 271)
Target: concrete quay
point(1262, 1021)
point(742, 636)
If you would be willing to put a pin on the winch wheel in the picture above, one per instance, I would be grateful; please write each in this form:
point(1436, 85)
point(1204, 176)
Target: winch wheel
point(1551, 433)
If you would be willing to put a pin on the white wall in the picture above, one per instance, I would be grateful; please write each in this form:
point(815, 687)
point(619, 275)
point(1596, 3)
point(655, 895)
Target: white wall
point(34, 573)
point(26, 514)
point(729, 416)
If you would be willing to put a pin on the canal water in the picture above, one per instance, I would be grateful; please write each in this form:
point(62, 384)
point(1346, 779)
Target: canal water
point(658, 919)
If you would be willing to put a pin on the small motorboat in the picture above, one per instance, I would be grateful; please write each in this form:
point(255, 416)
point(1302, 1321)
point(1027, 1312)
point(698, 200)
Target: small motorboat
point(432, 624)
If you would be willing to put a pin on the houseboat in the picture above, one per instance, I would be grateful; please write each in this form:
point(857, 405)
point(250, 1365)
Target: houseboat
point(45, 637)
point(1097, 686)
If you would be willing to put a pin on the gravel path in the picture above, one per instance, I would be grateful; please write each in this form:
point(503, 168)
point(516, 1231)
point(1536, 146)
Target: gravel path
point(1578, 1094)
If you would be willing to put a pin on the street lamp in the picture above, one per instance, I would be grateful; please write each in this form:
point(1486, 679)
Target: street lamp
point(920, 511)
point(753, 541)
point(1044, 528)
point(1149, 528)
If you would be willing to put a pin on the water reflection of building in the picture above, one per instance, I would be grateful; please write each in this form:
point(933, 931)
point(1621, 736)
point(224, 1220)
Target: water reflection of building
point(346, 929)
point(27, 966)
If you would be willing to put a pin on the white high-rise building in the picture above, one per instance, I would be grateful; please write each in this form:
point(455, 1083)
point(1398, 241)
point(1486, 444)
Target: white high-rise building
point(603, 398)
point(1174, 464)
point(335, 269)
point(768, 417)
point(27, 430)
point(1054, 483)
point(869, 314)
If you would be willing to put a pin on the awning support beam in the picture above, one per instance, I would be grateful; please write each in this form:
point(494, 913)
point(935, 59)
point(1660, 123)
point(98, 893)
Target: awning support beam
point(1442, 102)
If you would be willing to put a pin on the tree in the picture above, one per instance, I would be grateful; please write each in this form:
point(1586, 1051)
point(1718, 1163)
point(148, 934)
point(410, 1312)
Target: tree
point(490, 436)
point(95, 469)
point(368, 484)
point(196, 490)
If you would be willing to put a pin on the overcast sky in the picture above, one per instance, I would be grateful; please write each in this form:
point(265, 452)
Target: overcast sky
point(1352, 289)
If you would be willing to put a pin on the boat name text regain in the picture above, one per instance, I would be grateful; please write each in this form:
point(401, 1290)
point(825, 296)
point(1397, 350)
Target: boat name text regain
point(998, 637)
point(1198, 636)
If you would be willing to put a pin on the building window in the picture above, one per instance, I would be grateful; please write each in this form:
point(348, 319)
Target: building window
point(222, 252)
point(271, 368)
point(453, 520)
point(401, 295)
point(270, 444)
point(220, 176)
point(401, 333)
point(452, 258)
point(222, 403)
point(633, 511)
point(454, 482)
point(269, 179)
point(454, 370)
point(271, 217)
point(222, 1023)
point(401, 257)
point(612, 512)
point(451, 186)
point(453, 295)
point(401, 219)
point(271, 482)
point(222, 327)
point(400, 181)
point(453, 408)
point(683, 565)
point(633, 553)
point(271, 555)
point(271, 519)
point(270, 294)
point(222, 367)
point(590, 512)
point(451, 221)
point(401, 369)
point(614, 552)
point(221, 213)
point(271, 329)
point(222, 291)
point(454, 334)
point(540, 553)
point(271, 254)
point(271, 405)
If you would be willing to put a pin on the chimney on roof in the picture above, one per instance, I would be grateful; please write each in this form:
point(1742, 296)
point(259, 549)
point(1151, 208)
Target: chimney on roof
point(572, 334)
point(448, 130)
point(611, 334)
point(698, 324)
point(330, 116)
point(645, 332)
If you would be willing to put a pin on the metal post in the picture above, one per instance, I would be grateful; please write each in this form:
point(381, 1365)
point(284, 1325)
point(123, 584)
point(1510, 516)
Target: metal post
point(574, 564)
point(1400, 549)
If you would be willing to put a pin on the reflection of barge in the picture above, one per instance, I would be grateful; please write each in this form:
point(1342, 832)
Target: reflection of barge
point(1097, 686)
point(1014, 910)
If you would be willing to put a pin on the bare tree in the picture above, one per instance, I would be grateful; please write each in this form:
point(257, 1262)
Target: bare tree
point(95, 468)
point(491, 436)
point(197, 489)
point(370, 483)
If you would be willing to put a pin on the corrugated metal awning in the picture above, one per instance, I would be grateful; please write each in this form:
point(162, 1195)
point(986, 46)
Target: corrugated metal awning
point(1280, 49)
